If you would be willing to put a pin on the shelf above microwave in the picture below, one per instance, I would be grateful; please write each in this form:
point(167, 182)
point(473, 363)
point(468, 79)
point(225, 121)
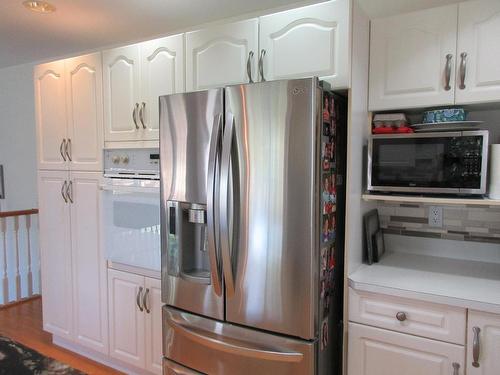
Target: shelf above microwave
point(431, 199)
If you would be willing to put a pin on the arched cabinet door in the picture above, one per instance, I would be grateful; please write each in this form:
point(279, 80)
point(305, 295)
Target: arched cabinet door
point(121, 88)
point(85, 112)
point(478, 52)
point(308, 41)
point(413, 59)
point(222, 55)
point(162, 73)
point(50, 112)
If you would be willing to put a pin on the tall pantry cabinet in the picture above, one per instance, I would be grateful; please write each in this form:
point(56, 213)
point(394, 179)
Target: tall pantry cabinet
point(69, 121)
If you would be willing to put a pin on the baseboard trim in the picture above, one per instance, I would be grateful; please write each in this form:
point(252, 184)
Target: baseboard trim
point(98, 357)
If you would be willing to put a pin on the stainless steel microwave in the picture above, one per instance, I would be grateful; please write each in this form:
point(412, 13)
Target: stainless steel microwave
point(447, 162)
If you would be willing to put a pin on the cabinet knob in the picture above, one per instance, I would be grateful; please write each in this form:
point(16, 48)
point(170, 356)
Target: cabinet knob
point(401, 316)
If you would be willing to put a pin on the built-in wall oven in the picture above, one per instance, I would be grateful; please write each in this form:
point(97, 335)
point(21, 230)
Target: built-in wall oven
point(130, 201)
point(439, 162)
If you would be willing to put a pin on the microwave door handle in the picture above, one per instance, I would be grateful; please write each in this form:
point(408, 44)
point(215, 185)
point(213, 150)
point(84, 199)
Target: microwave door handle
point(213, 212)
point(225, 234)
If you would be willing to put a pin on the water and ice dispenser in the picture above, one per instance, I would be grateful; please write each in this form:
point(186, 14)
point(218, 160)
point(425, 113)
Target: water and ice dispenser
point(188, 242)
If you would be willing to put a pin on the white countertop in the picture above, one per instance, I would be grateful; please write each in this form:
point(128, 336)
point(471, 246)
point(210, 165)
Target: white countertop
point(463, 283)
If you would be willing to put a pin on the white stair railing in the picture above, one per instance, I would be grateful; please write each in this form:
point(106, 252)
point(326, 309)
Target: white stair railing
point(20, 258)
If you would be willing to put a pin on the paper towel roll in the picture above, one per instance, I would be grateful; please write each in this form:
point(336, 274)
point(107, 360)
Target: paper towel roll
point(494, 172)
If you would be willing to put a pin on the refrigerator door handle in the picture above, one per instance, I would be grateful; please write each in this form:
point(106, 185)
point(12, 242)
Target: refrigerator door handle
point(227, 264)
point(234, 346)
point(213, 205)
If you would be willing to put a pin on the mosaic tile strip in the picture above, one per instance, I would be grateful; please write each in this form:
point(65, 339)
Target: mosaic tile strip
point(460, 223)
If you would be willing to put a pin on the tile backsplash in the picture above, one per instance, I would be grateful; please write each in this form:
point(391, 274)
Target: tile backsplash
point(460, 222)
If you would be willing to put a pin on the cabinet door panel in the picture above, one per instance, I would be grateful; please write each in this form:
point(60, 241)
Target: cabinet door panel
point(217, 56)
point(121, 79)
point(126, 321)
point(85, 116)
point(408, 59)
point(290, 53)
point(50, 104)
point(489, 343)
point(89, 266)
point(374, 351)
point(479, 38)
point(55, 254)
point(154, 352)
point(162, 66)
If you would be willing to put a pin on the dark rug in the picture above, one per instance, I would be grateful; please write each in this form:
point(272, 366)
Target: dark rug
point(18, 359)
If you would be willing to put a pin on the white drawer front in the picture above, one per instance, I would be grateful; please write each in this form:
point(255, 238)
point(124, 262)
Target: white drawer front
point(375, 351)
point(425, 319)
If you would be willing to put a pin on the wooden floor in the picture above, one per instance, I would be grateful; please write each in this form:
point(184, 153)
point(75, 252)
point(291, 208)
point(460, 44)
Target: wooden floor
point(23, 323)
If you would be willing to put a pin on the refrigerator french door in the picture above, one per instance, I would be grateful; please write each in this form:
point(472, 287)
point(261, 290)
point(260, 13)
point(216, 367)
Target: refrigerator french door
point(241, 172)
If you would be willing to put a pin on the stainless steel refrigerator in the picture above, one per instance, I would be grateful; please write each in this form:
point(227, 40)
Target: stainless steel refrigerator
point(252, 207)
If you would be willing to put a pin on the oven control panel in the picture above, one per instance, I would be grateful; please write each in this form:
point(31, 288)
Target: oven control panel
point(131, 162)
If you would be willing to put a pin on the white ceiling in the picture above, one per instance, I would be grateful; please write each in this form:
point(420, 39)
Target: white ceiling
point(85, 25)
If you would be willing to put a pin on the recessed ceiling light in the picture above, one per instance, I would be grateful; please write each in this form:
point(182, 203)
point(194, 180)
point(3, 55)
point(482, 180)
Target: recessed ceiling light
point(39, 6)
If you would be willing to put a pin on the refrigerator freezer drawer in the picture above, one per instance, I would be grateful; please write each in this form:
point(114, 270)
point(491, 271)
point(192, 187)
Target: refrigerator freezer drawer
point(172, 368)
point(214, 347)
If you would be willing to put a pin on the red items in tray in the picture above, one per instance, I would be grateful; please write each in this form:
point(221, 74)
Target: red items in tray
point(391, 130)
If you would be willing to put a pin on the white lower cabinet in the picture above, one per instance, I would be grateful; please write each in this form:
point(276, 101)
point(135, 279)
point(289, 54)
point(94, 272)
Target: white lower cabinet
point(483, 344)
point(154, 352)
point(135, 320)
point(55, 253)
point(90, 305)
point(72, 266)
point(375, 351)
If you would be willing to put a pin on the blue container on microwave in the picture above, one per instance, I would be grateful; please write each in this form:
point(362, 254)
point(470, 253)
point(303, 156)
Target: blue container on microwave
point(444, 115)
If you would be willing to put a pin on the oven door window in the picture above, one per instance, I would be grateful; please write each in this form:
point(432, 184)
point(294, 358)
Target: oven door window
point(132, 228)
point(436, 162)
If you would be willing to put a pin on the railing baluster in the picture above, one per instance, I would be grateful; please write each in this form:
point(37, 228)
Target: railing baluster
point(16, 241)
point(14, 247)
point(5, 279)
point(28, 243)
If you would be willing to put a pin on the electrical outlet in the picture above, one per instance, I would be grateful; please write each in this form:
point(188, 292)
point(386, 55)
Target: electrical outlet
point(436, 216)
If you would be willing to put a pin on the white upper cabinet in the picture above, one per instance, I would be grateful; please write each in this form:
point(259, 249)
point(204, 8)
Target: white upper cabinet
point(483, 344)
point(50, 104)
point(90, 306)
point(308, 41)
point(413, 59)
point(134, 77)
point(121, 79)
point(219, 55)
point(68, 96)
point(162, 73)
point(478, 52)
point(55, 253)
point(85, 117)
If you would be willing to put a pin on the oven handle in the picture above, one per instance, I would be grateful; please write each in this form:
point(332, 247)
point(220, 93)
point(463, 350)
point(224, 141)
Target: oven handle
point(129, 189)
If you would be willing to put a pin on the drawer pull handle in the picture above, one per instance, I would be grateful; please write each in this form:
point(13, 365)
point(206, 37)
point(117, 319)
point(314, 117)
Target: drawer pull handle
point(475, 346)
point(456, 368)
point(401, 316)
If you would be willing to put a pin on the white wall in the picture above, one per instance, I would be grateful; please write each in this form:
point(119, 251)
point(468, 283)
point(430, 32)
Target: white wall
point(17, 138)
